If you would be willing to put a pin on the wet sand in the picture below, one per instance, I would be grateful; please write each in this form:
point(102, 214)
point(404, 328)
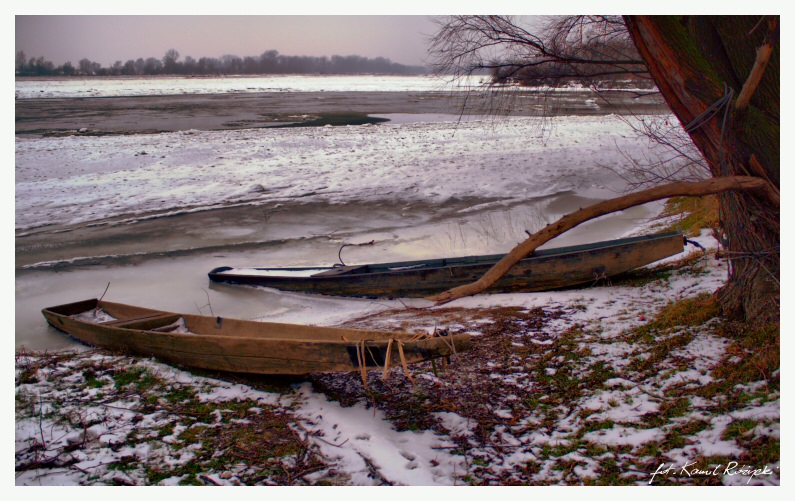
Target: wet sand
point(117, 241)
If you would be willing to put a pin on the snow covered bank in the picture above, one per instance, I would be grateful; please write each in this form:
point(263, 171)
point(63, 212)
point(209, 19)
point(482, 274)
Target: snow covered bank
point(82, 179)
point(590, 386)
point(371, 451)
point(148, 86)
point(38, 88)
point(94, 419)
point(606, 385)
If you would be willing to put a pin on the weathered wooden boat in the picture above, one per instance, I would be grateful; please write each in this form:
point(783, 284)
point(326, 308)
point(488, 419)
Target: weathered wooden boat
point(226, 344)
point(545, 270)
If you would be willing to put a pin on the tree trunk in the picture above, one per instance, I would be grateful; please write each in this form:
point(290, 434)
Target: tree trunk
point(695, 61)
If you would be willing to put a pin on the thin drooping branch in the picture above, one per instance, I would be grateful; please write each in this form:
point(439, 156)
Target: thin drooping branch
point(569, 221)
point(582, 47)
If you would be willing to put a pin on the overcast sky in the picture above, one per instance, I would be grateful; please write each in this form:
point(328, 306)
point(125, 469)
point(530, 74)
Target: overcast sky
point(105, 32)
point(106, 39)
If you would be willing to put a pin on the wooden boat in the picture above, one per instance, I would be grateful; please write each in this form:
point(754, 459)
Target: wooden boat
point(544, 270)
point(226, 344)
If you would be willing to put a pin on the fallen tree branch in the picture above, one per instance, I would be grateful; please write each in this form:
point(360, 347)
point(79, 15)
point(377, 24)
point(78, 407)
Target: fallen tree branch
point(569, 221)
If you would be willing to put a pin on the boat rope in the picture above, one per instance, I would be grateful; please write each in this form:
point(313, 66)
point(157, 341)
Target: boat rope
point(403, 362)
point(103, 294)
point(360, 355)
point(339, 254)
point(388, 356)
point(722, 103)
point(694, 244)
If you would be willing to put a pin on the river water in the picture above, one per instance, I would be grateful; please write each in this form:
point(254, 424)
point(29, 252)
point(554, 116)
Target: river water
point(149, 187)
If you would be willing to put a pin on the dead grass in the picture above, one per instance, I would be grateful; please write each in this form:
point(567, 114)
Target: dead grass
point(192, 439)
point(694, 213)
point(522, 378)
point(527, 386)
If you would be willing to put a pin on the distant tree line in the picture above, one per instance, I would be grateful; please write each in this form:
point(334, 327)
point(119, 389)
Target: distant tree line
point(269, 62)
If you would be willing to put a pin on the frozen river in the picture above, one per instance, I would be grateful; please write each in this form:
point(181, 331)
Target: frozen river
point(152, 213)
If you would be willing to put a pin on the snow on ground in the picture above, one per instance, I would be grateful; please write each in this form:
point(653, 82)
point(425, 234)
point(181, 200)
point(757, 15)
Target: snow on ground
point(496, 416)
point(615, 410)
point(76, 427)
point(39, 88)
point(78, 179)
point(361, 440)
point(147, 86)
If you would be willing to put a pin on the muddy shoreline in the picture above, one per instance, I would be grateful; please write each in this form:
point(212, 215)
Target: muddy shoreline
point(111, 241)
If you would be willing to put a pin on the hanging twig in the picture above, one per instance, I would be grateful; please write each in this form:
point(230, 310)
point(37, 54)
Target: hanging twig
point(388, 356)
point(208, 304)
point(361, 356)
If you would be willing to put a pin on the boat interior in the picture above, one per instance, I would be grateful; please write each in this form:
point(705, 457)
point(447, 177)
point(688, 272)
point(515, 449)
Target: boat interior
point(137, 318)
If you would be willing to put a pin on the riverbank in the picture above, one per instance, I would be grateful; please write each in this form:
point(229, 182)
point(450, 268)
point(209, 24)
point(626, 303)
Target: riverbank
point(631, 382)
point(149, 190)
point(152, 214)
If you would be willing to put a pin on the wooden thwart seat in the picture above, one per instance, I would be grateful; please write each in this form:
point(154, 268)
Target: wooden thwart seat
point(145, 322)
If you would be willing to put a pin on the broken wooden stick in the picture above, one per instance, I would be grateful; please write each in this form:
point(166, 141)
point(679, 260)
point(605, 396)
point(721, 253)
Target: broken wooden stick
point(569, 221)
point(763, 53)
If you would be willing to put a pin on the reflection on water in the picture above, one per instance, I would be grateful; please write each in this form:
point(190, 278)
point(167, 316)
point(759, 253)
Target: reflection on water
point(492, 231)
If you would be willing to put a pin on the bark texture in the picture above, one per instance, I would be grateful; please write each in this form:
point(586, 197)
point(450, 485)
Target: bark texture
point(698, 61)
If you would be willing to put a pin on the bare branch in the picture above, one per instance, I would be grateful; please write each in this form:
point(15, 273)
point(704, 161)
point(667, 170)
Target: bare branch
point(579, 47)
point(569, 221)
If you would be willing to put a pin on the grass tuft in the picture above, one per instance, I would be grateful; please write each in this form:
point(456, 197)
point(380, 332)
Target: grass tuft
point(695, 213)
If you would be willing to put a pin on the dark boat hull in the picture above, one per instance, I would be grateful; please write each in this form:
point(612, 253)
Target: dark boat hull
point(545, 270)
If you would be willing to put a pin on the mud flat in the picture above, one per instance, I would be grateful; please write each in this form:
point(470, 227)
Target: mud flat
point(149, 114)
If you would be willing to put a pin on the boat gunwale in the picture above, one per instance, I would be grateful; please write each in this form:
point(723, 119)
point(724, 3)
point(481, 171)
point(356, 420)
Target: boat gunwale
point(488, 259)
point(248, 353)
point(384, 336)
